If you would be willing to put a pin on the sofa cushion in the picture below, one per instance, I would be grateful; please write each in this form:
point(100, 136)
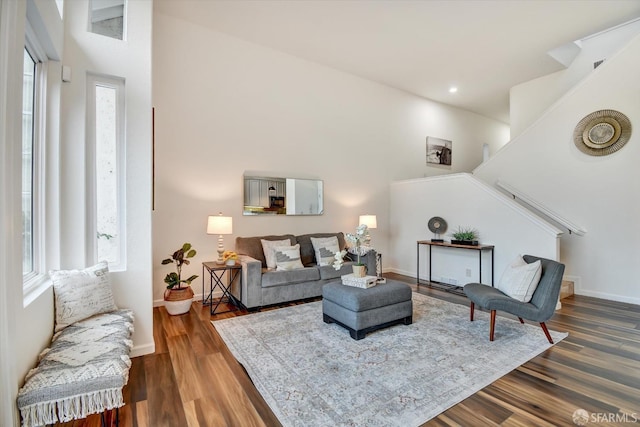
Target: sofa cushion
point(307, 254)
point(288, 257)
point(279, 278)
point(325, 249)
point(252, 246)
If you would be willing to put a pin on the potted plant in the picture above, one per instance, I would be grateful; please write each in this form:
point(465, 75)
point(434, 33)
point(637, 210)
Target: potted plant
point(465, 236)
point(178, 296)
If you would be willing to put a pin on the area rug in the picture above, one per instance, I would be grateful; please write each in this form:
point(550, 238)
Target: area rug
point(313, 374)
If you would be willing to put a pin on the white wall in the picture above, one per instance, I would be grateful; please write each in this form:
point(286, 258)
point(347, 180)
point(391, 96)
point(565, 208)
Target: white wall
point(529, 100)
point(462, 201)
point(131, 59)
point(599, 194)
point(224, 106)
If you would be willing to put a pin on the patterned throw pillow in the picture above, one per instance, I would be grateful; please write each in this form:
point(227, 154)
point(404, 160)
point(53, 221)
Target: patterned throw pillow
point(79, 294)
point(325, 249)
point(288, 258)
point(520, 279)
point(269, 247)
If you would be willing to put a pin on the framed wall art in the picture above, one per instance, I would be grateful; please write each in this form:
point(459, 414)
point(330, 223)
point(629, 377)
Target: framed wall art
point(438, 151)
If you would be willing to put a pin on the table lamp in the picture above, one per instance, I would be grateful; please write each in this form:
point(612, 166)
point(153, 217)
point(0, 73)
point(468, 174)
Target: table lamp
point(371, 222)
point(218, 224)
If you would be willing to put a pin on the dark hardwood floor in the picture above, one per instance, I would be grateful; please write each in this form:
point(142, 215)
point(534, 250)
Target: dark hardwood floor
point(193, 380)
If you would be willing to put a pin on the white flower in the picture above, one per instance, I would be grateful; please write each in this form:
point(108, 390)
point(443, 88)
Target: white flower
point(339, 256)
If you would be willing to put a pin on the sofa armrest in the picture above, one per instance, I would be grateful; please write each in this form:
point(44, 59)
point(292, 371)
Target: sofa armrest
point(251, 281)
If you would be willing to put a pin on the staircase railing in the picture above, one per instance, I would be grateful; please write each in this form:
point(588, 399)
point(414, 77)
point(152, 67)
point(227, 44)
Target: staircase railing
point(539, 207)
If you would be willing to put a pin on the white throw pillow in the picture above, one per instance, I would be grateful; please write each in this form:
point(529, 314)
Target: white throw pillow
point(269, 246)
point(325, 249)
point(288, 258)
point(80, 294)
point(520, 279)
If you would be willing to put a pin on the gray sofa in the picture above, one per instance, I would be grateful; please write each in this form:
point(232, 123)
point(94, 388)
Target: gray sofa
point(262, 287)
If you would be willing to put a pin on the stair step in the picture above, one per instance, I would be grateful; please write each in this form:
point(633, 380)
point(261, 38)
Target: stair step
point(567, 289)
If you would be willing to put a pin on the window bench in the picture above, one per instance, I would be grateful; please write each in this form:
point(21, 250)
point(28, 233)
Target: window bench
point(83, 371)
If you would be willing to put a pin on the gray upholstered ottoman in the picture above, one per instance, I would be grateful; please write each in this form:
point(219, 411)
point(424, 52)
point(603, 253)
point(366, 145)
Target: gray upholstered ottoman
point(364, 310)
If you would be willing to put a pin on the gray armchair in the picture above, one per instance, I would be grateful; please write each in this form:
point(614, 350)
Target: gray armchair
point(539, 309)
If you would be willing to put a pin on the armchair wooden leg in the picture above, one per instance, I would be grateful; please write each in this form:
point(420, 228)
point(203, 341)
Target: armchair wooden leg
point(546, 332)
point(493, 325)
point(472, 306)
point(521, 321)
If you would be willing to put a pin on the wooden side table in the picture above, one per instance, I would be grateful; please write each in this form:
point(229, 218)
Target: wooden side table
point(216, 280)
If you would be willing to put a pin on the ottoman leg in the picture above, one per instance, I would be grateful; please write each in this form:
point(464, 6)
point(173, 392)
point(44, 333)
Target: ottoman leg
point(327, 319)
point(407, 320)
point(357, 335)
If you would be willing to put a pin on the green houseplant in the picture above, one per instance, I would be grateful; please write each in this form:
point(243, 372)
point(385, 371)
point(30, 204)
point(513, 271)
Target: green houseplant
point(465, 236)
point(178, 295)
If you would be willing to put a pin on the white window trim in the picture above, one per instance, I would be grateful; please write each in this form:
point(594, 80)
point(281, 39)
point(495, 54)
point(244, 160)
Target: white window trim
point(91, 229)
point(35, 282)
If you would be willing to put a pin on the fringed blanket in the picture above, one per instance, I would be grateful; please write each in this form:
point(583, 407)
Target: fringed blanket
point(82, 373)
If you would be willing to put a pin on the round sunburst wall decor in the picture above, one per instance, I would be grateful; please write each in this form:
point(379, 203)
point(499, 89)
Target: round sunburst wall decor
point(602, 132)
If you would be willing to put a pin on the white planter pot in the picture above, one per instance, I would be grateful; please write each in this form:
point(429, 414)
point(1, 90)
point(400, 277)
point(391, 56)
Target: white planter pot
point(178, 301)
point(178, 307)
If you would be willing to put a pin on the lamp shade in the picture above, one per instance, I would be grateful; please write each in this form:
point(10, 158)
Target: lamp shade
point(368, 220)
point(218, 224)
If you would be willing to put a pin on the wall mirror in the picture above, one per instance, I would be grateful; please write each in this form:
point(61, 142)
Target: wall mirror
point(106, 17)
point(282, 196)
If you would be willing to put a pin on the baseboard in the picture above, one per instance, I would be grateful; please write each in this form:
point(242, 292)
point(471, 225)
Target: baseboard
point(196, 297)
point(607, 296)
point(398, 271)
point(141, 350)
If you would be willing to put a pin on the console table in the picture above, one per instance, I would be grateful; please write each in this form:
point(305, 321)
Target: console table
point(216, 272)
point(446, 286)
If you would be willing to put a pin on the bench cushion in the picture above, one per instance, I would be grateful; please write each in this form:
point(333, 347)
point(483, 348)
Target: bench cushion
point(82, 373)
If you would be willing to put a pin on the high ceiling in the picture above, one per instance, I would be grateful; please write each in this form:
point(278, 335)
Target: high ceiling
point(423, 47)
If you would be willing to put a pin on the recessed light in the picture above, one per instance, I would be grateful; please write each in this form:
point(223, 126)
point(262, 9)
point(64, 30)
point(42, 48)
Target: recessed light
point(453, 89)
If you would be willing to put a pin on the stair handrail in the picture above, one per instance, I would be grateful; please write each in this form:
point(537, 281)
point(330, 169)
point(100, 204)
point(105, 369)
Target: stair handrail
point(537, 206)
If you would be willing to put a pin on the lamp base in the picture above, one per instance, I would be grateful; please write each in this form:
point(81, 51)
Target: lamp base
point(220, 250)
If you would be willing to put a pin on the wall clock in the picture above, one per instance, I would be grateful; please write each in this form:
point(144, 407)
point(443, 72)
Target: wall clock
point(602, 132)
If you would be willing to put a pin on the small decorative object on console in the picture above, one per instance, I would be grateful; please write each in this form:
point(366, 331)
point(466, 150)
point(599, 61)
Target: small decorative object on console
point(437, 226)
point(465, 236)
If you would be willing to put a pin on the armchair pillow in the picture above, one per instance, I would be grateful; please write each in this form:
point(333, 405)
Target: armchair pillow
point(520, 280)
point(288, 258)
point(325, 249)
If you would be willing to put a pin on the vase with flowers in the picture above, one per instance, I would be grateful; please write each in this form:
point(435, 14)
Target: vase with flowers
point(359, 245)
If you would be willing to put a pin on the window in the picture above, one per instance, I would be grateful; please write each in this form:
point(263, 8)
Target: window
point(34, 90)
point(105, 116)
point(28, 108)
